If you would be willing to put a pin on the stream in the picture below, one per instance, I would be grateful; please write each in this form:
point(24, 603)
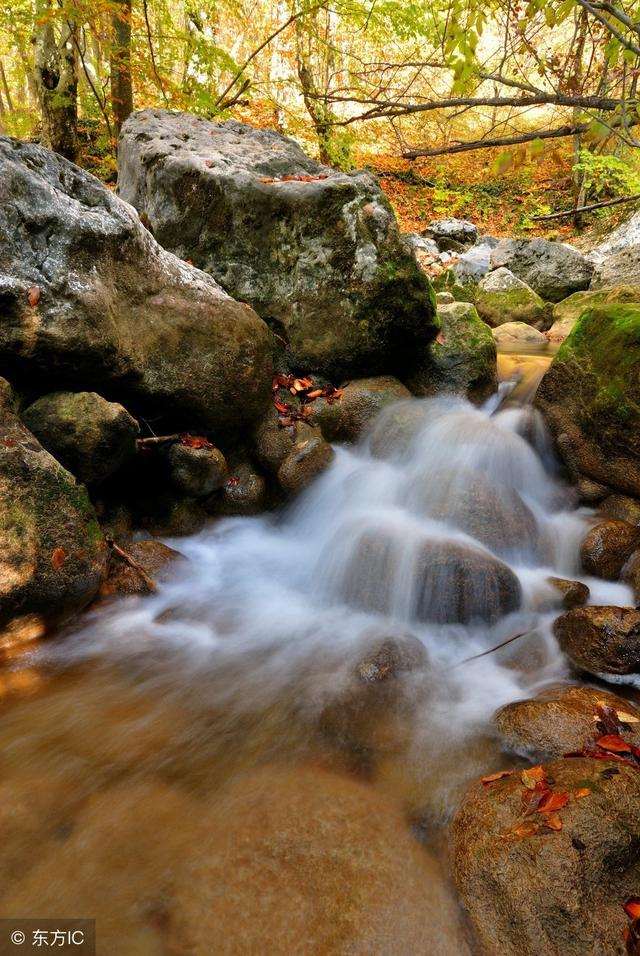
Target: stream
point(129, 743)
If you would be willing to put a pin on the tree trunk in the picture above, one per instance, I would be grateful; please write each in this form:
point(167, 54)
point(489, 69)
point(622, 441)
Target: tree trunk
point(121, 86)
point(56, 77)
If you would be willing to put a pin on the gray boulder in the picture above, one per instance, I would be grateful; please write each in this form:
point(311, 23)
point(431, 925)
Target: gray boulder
point(315, 251)
point(620, 269)
point(503, 297)
point(474, 263)
point(90, 436)
point(88, 300)
point(552, 269)
point(518, 335)
point(450, 228)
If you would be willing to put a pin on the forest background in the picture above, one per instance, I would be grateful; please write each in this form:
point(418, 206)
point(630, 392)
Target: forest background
point(497, 111)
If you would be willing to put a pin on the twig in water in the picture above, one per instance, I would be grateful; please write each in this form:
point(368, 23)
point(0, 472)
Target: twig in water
point(490, 651)
point(150, 583)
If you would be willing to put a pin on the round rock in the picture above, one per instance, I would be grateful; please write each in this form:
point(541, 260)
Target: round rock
point(601, 640)
point(607, 547)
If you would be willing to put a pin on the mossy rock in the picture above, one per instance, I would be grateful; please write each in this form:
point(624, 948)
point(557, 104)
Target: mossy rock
point(512, 305)
point(591, 397)
point(462, 361)
point(567, 312)
point(52, 552)
point(461, 292)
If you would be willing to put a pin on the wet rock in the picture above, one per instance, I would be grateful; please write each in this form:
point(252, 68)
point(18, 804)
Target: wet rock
point(517, 335)
point(631, 576)
point(567, 312)
point(502, 297)
point(561, 720)
point(313, 862)
point(573, 593)
point(450, 582)
point(552, 269)
point(395, 429)
point(196, 472)
point(243, 493)
point(463, 359)
point(315, 251)
point(91, 437)
point(361, 401)
point(459, 230)
point(591, 492)
point(553, 892)
point(590, 397)
point(621, 507)
point(112, 311)
point(306, 460)
point(273, 442)
point(166, 516)
point(52, 553)
point(154, 557)
point(622, 268)
point(601, 640)
point(607, 547)
point(8, 401)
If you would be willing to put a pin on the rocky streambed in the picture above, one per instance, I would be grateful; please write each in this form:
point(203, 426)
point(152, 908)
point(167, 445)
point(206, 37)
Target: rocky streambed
point(319, 615)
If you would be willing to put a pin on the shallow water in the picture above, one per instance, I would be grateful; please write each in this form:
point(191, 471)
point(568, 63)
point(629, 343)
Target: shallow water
point(175, 762)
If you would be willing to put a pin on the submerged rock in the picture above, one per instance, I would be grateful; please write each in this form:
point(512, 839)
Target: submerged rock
point(551, 891)
point(315, 251)
point(154, 557)
point(590, 397)
point(562, 720)
point(573, 593)
point(552, 269)
point(306, 460)
point(91, 437)
point(518, 335)
point(607, 547)
point(52, 553)
point(504, 298)
point(462, 360)
point(360, 403)
point(601, 640)
point(90, 301)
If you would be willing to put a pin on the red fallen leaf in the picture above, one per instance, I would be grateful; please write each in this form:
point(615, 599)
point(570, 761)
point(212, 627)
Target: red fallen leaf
point(232, 482)
point(440, 339)
point(614, 744)
point(58, 556)
point(526, 829)
point(33, 295)
point(189, 262)
point(302, 179)
point(282, 408)
point(553, 801)
point(533, 775)
point(195, 441)
point(582, 792)
point(554, 822)
point(492, 777)
point(632, 907)
point(9, 442)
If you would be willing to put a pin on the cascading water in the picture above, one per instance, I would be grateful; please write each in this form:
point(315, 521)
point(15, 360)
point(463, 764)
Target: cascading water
point(436, 535)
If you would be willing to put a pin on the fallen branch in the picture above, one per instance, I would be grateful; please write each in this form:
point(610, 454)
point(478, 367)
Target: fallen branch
point(490, 651)
point(581, 209)
point(149, 582)
point(157, 440)
point(562, 131)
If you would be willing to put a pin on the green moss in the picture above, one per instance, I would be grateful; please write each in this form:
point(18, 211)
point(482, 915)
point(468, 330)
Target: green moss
point(447, 282)
point(512, 305)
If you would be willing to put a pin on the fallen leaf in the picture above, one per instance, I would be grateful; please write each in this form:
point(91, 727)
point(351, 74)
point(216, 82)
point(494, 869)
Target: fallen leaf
point(33, 295)
point(554, 822)
point(526, 829)
point(533, 775)
point(282, 407)
point(614, 744)
point(232, 482)
point(440, 339)
point(195, 441)
point(632, 907)
point(316, 393)
point(582, 792)
point(553, 801)
point(58, 556)
point(492, 777)
point(627, 718)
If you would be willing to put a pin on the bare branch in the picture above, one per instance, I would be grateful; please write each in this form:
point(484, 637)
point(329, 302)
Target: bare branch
point(563, 131)
point(594, 205)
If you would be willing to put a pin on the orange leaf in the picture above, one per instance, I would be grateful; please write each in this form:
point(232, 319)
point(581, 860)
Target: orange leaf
point(583, 792)
point(632, 907)
point(553, 801)
point(33, 295)
point(533, 775)
point(282, 408)
point(554, 822)
point(526, 829)
point(316, 393)
point(614, 744)
point(58, 556)
point(195, 441)
point(492, 777)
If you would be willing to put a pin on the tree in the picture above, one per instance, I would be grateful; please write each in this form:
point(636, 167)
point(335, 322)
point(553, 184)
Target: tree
point(56, 78)
point(120, 63)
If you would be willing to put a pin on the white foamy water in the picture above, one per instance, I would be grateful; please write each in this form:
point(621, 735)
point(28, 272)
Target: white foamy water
point(402, 535)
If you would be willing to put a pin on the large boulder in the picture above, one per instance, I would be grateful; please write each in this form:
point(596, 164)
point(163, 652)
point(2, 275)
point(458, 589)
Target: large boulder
point(91, 437)
point(503, 297)
point(567, 312)
point(601, 640)
point(315, 251)
point(533, 889)
point(359, 404)
point(607, 547)
point(625, 235)
point(450, 228)
point(590, 397)
point(473, 264)
point(88, 300)
point(622, 268)
point(552, 269)
point(462, 360)
point(52, 553)
point(513, 336)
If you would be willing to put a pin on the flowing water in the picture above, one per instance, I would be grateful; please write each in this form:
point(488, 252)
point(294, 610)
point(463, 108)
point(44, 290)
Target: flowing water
point(165, 760)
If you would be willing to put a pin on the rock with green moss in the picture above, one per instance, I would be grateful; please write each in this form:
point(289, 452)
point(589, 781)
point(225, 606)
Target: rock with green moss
point(503, 297)
point(52, 552)
point(590, 397)
point(462, 361)
point(567, 312)
point(90, 436)
point(346, 418)
point(315, 251)
point(462, 291)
